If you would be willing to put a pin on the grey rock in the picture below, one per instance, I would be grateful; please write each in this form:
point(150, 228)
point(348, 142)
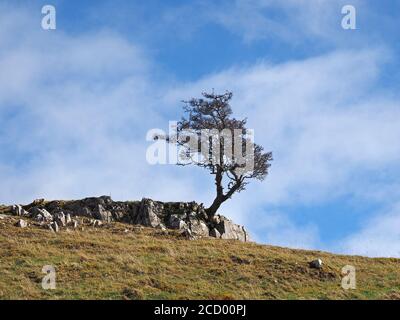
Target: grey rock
point(60, 219)
point(102, 214)
point(316, 264)
point(199, 228)
point(175, 222)
point(148, 214)
point(43, 212)
point(230, 230)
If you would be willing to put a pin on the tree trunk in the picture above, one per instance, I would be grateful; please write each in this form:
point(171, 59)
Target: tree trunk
point(220, 198)
point(212, 210)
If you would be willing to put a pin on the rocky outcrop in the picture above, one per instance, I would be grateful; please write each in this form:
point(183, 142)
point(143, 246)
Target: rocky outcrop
point(188, 217)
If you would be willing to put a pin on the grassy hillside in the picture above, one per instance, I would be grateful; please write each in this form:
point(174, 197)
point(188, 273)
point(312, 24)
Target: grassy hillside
point(119, 261)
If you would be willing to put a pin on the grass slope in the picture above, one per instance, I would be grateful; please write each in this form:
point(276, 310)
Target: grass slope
point(120, 261)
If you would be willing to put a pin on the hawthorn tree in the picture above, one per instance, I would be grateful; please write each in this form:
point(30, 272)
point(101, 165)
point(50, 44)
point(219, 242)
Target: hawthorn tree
point(209, 137)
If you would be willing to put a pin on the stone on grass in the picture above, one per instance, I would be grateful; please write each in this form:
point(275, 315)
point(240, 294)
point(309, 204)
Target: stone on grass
point(21, 223)
point(316, 264)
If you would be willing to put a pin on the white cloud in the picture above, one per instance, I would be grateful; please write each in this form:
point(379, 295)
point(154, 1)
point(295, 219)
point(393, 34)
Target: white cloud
point(74, 112)
point(379, 237)
point(291, 21)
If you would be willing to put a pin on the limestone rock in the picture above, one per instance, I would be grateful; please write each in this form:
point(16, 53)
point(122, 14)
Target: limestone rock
point(68, 219)
point(43, 212)
point(175, 222)
point(148, 214)
point(60, 219)
point(17, 210)
point(21, 223)
point(199, 228)
point(102, 214)
point(230, 230)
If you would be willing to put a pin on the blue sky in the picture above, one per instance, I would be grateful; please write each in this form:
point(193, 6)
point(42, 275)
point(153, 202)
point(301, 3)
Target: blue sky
point(76, 103)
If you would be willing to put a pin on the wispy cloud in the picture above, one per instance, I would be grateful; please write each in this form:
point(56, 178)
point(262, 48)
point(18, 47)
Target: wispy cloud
point(379, 236)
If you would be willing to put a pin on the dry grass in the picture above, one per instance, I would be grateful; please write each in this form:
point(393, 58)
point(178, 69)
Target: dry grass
point(141, 263)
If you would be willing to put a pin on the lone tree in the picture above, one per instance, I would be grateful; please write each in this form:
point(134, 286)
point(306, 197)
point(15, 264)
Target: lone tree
point(211, 138)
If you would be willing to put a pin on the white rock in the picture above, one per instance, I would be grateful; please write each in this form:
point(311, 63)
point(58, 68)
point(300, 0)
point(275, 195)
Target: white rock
point(43, 212)
point(199, 228)
point(21, 223)
point(68, 219)
point(75, 222)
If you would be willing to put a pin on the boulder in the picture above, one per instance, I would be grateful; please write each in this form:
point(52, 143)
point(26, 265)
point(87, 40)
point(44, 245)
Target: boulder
point(21, 223)
point(199, 228)
point(59, 218)
point(316, 264)
point(43, 212)
point(68, 219)
point(175, 222)
point(101, 213)
point(230, 230)
point(148, 213)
